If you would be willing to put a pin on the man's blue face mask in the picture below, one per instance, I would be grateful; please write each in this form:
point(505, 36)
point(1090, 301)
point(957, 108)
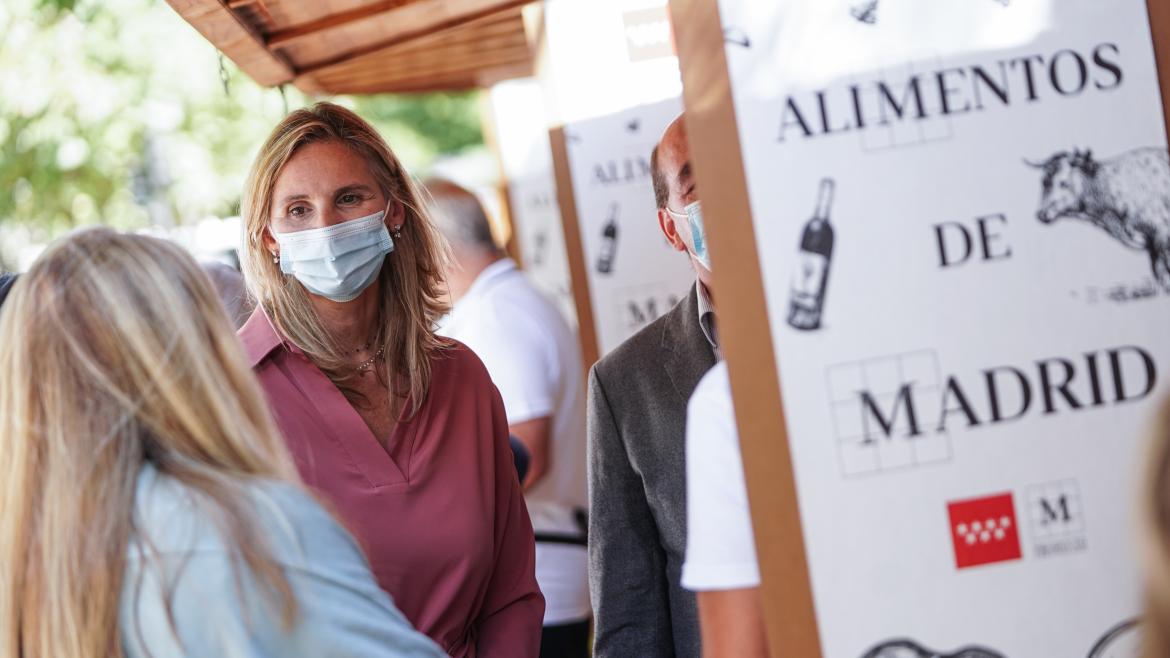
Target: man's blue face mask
point(693, 213)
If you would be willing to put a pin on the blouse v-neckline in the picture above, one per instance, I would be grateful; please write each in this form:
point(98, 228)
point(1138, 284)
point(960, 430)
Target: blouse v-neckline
point(383, 466)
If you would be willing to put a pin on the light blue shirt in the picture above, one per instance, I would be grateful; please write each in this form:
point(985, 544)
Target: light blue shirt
point(178, 554)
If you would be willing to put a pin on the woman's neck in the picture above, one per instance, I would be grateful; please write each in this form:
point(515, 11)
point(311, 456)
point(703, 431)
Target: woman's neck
point(352, 324)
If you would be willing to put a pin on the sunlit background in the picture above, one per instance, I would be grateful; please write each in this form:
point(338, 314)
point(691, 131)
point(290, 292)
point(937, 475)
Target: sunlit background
point(119, 112)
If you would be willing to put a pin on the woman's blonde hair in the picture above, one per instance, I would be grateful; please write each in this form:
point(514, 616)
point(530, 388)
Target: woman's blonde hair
point(116, 352)
point(1155, 526)
point(412, 288)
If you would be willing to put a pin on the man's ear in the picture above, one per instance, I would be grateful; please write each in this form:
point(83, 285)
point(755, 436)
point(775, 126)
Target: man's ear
point(666, 223)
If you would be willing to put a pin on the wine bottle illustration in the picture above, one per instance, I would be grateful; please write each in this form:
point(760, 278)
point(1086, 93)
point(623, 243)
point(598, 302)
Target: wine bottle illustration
point(811, 276)
point(609, 236)
point(540, 246)
point(866, 12)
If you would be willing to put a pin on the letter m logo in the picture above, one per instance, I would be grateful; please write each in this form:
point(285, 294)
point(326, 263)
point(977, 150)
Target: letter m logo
point(1054, 510)
point(880, 415)
point(641, 312)
point(642, 309)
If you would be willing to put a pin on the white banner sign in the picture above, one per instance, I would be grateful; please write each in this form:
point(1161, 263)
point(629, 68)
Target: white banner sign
point(962, 210)
point(523, 141)
point(605, 56)
point(634, 274)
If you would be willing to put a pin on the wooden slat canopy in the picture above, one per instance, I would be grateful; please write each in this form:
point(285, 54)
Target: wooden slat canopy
point(368, 46)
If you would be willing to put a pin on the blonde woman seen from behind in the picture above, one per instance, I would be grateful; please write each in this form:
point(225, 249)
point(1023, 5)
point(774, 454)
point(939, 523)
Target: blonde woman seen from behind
point(147, 504)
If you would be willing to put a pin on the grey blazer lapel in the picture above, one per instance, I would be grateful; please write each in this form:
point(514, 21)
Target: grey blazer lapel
point(688, 355)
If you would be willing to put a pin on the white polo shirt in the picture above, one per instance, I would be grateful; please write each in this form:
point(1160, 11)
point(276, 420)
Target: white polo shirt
point(535, 361)
point(721, 549)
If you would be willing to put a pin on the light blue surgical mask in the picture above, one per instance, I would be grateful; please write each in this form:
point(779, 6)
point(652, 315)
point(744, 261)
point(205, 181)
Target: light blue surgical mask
point(337, 262)
point(694, 215)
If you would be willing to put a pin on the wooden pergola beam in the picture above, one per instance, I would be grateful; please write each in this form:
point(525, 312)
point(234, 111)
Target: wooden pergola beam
point(295, 33)
point(458, 63)
point(239, 42)
point(443, 81)
point(438, 42)
point(497, 46)
point(417, 19)
point(488, 77)
point(430, 85)
point(433, 47)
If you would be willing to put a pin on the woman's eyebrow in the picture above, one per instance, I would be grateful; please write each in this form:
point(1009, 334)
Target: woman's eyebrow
point(354, 187)
point(293, 197)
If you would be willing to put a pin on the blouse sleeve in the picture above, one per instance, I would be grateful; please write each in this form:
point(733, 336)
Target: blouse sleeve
point(513, 609)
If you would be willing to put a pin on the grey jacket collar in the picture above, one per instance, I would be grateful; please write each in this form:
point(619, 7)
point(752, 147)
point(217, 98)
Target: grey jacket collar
point(688, 352)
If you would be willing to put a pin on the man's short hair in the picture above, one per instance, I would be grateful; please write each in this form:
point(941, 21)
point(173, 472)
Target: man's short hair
point(460, 217)
point(658, 177)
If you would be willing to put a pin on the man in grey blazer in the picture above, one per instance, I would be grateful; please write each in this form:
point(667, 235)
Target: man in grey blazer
point(637, 414)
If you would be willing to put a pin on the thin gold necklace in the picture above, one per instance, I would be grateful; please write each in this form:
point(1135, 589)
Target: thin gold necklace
point(365, 365)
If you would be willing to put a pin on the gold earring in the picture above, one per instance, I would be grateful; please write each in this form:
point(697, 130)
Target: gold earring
point(396, 232)
point(275, 258)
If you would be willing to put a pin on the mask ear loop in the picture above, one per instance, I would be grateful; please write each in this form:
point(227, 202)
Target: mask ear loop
point(687, 217)
point(682, 216)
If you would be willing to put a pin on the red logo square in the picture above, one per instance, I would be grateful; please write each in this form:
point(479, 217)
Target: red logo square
point(984, 530)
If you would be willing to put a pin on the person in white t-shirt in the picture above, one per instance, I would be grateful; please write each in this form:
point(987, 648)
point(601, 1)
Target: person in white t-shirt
point(534, 359)
point(720, 566)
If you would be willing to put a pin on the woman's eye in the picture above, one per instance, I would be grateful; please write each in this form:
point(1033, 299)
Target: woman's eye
point(349, 198)
point(297, 211)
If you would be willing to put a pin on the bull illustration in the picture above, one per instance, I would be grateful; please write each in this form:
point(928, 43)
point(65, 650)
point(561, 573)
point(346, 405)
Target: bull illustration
point(1127, 196)
point(911, 649)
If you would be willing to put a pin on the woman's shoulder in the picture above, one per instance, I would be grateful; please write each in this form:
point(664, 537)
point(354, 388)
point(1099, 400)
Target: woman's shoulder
point(173, 517)
point(455, 364)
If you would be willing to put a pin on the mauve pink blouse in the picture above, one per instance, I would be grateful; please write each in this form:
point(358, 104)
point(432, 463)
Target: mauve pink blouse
point(440, 514)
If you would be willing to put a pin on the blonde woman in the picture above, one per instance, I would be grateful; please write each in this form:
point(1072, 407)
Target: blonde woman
point(147, 504)
point(1155, 512)
point(402, 431)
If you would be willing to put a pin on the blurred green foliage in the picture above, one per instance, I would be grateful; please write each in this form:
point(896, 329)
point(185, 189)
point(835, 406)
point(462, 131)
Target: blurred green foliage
point(446, 122)
point(113, 111)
